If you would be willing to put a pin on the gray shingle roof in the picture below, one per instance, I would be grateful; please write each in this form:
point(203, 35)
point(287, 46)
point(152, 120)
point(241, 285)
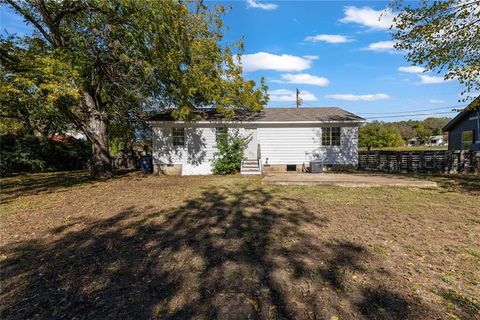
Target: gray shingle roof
point(318, 114)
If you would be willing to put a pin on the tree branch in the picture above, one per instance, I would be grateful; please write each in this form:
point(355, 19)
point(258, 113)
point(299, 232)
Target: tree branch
point(30, 18)
point(57, 37)
point(58, 19)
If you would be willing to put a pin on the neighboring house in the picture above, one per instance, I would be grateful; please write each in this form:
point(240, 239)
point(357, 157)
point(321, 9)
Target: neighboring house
point(68, 137)
point(463, 130)
point(433, 141)
point(280, 139)
point(414, 142)
point(436, 141)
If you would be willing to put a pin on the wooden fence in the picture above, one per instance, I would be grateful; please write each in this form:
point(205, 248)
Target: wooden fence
point(420, 161)
point(124, 162)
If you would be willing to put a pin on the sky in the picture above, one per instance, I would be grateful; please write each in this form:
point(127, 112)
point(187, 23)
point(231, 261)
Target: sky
point(337, 53)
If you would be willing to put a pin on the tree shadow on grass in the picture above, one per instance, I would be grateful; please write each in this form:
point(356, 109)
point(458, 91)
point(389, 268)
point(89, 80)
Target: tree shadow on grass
point(39, 183)
point(464, 183)
point(470, 309)
point(231, 253)
point(469, 183)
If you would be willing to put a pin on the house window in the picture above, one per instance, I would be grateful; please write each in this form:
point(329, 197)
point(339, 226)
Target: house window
point(467, 139)
point(218, 132)
point(178, 135)
point(331, 136)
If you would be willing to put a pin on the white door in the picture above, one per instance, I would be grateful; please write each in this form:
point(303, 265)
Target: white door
point(251, 149)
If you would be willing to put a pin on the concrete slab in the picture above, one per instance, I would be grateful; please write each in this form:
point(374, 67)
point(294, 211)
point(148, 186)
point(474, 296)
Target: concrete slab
point(356, 180)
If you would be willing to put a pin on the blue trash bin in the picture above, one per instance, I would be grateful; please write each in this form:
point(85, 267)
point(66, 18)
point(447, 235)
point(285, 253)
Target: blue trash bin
point(146, 164)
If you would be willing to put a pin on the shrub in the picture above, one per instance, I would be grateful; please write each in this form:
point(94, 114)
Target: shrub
point(230, 147)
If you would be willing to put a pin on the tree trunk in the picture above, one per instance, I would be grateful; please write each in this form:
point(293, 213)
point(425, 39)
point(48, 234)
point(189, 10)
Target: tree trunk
point(96, 129)
point(101, 163)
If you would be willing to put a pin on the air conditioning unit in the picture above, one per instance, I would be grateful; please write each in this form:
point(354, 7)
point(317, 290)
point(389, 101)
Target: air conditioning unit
point(316, 167)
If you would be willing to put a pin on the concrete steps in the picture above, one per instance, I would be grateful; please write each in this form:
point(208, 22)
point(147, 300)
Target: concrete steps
point(250, 167)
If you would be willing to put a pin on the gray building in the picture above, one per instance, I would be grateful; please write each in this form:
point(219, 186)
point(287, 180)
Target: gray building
point(463, 130)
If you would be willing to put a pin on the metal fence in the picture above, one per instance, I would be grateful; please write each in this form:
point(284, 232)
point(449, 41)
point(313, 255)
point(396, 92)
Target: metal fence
point(420, 161)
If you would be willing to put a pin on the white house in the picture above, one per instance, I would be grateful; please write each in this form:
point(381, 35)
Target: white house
point(436, 141)
point(280, 139)
point(433, 141)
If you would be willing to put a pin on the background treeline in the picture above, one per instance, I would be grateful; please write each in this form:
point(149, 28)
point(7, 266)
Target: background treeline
point(30, 153)
point(34, 138)
point(378, 134)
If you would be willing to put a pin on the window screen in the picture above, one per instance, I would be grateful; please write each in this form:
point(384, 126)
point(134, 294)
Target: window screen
point(467, 139)
point(178, 135)
point(331, 136)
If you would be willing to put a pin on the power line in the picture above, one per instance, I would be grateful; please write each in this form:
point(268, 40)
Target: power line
point(402, 112)
point(419, 110)
point(409, 115)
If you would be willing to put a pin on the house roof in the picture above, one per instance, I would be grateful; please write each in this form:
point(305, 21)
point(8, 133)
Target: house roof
point(317, 114)
point(475, 104)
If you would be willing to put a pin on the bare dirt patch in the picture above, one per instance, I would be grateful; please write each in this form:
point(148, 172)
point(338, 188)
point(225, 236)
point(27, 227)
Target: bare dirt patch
point(148, 247)
point(358, 180)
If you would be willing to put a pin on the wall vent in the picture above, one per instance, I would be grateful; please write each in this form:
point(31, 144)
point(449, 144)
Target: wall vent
point(291, 167)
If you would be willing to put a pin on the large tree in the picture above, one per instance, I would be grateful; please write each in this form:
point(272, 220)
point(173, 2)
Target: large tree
point(443, 36)
point(407, 132)
point(436, 124)
point(95, 61)
point(24, 106)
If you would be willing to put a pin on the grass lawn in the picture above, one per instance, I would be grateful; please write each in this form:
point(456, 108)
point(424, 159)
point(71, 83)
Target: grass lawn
point(146, 247)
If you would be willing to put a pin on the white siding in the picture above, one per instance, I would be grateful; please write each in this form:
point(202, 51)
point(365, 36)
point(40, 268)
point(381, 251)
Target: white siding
point(195, 156)
point(281, 145)
point(299, 145)
point(287, 145)
point(345, 154)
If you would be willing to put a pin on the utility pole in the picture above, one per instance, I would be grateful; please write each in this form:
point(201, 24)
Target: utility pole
point(298, 100)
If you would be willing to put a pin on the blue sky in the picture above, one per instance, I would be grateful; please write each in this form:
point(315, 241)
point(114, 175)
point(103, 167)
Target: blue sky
point(337, 53)
point(347, 58)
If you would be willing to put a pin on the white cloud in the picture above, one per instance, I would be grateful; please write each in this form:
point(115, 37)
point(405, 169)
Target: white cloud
point(381, 46)
point(368, 17)
point(263, 6)
point(426, 79)
point(269, 61)
point(303, 78)
point(435, 101)
point(353, 97)
point(411, 69)
point(330, 38)
point(310, 57)
point(284, 95)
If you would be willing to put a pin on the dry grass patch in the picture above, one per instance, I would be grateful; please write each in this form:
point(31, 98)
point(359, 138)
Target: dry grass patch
point(227, 247)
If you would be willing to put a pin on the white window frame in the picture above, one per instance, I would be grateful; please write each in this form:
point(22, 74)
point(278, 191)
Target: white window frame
point(329, 137)
point(178, 137)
